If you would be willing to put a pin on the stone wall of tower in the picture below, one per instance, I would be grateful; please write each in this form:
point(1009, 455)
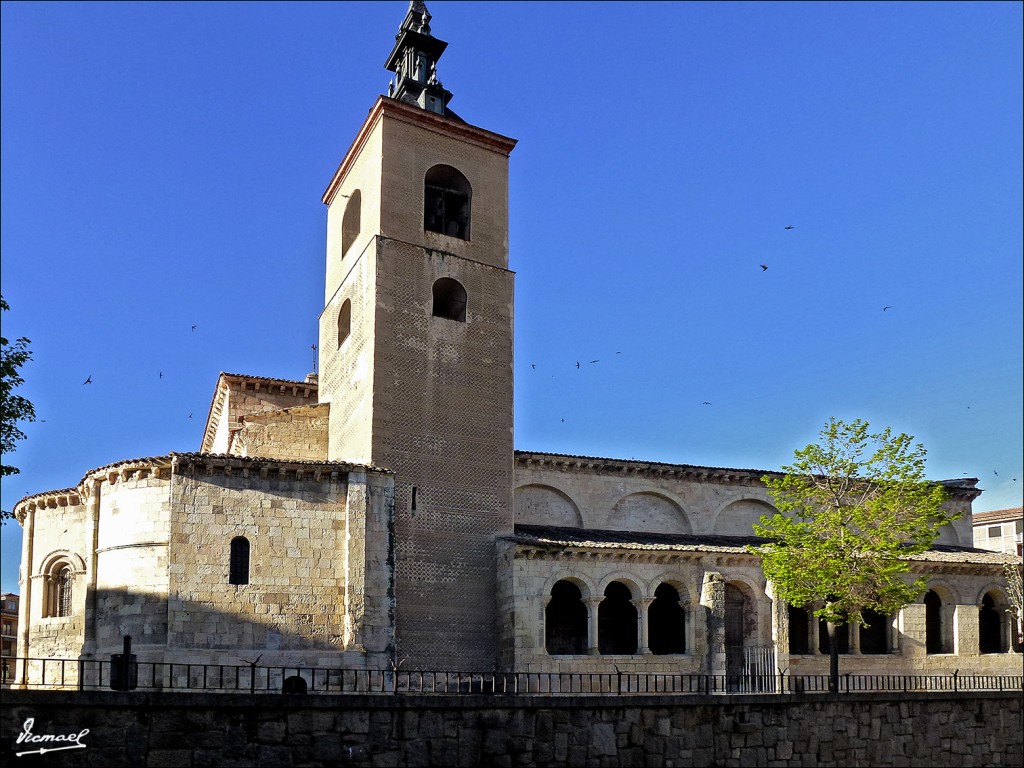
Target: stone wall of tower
point(443, 422)
point(346, 366)
point(427, 397)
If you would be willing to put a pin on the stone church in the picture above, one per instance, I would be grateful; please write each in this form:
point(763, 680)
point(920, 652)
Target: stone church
point(378, 515)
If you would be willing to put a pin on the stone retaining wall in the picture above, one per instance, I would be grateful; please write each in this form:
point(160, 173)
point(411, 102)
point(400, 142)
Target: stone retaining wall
point(187, 729)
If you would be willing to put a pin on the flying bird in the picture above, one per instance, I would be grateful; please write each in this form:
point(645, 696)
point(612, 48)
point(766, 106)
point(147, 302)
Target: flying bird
point(705, 403)
point(534, 366)
point(789, 226)
point(87, 381)
point(161, 374)
point(886, 309)
point(577, 363)
point(764, 267)
point(194, 327)
point(595, 361)
point(190, 415)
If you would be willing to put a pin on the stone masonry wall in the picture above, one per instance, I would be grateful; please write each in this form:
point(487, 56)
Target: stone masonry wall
point(141, 729)
point(292, 433)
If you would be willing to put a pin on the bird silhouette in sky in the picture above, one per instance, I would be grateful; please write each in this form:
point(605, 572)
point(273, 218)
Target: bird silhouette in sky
point(161, 374)
point(705, 403)
point(534, 366)
point(764, 267)
point(886, 309)
point(995, 473)
point(87, 381)
point(595, 361)
point(789, 226)
point(577, 363)
point(194, 327)
point(190, 415)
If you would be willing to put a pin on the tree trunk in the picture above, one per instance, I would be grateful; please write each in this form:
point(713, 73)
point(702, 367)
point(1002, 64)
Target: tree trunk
point(833, 658)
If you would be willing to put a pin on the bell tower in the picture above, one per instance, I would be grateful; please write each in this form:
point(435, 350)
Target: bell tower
point(416, 348)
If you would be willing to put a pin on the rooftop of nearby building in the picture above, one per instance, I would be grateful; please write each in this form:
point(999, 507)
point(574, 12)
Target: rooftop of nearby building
point(998, 516)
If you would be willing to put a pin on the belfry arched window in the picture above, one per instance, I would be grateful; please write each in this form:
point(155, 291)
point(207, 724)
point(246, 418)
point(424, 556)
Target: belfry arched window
point(565, 620)
point(239, 563)
point(344, 321)
point(667, 632)
point(449, 300)
point(447, 201)
point(351, 221)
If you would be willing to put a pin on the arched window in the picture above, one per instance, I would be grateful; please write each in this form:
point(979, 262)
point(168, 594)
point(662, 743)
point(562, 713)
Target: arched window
point(59, 590)
point(344, 321)
point(449, 300)
point(239, 572)
point(874, 638)
point(842, 637)
point(447, 197)
point(799, 631)
point(933, 640)
point(64, 584)
point(667, 632)
point(565, 621)
point(990, 635)
point(616, 621)
point(350, 221)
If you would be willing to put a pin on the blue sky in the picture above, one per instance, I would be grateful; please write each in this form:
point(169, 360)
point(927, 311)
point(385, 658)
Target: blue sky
point(162, 166)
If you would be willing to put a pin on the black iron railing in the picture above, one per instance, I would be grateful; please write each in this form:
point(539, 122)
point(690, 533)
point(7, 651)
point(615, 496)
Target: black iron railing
point(96, 674)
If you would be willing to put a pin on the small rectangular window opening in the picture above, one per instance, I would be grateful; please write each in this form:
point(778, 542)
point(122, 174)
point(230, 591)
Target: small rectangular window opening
point(412, 506)
point(995, 532)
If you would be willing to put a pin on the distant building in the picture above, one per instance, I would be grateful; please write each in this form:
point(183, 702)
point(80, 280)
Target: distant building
point(8, 633)
point(1001, 530)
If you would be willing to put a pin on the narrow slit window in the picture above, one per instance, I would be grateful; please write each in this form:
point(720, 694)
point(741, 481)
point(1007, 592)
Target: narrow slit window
point(239, 571)
point(65, 580)
point(344, 321)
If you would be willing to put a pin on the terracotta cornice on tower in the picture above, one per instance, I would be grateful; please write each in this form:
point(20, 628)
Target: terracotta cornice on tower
point(480, 137)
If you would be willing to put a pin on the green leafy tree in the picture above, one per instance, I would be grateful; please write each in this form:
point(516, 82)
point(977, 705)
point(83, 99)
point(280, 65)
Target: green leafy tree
point(853, 510)
point(13, 408)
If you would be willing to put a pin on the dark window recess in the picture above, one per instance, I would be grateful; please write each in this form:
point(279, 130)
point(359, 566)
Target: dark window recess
point(842, 637)
point(64, 584)
point(350, 222)
point(874, 638)
point(449, 300)
point(565, 621)
point(616, 621)
point(667, 632)
point(932, 623)
point(239, 561)
point(799, 631)
point(344, 321)
point(990, 638)
point(446, 202)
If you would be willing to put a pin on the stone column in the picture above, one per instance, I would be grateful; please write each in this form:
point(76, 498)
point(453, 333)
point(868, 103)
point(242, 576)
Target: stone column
point(25, 608)
point(712, 597)
point(592, 645)
point(92, 529)
point(643, 605)
point(966, 630)
point(914, 629)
